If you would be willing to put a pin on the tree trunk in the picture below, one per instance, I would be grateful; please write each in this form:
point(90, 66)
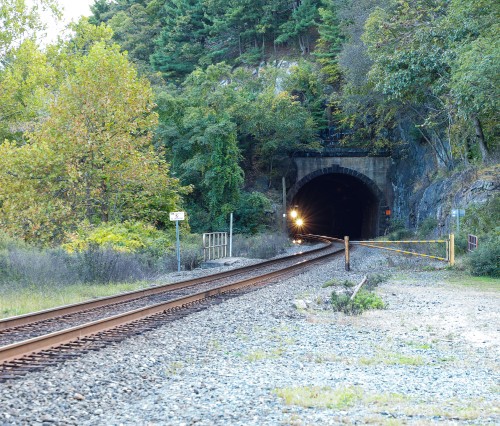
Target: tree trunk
point(480, 139)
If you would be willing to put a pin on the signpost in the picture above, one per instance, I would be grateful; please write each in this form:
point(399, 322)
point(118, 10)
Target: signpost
point(458, 213)
point(177, 216)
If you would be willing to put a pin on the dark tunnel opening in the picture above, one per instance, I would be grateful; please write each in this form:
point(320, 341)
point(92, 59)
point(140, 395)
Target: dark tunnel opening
point(337, 205)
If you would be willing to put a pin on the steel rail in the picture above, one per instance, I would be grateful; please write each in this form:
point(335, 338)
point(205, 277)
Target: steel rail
point(25, 348)
point(137, 294)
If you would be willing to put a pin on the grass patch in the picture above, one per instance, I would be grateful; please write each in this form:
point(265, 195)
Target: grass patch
point(479, 283)
point(262, 355)
point(393, 359)
point(363, 301)
point(338, 283)
point(418, 345)
point(174, 368)
point(23, 300)
point(321, 397)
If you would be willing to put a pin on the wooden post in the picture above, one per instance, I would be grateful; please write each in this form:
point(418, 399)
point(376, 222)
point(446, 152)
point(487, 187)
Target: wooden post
point(452, 249)
point(347, 259)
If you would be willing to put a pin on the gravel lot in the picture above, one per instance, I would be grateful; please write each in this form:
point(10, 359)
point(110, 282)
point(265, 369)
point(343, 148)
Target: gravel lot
point(430, 357)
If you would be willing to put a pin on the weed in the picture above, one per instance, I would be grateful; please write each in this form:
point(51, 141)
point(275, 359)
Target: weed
point(375, 279)
point(330, 283)
point(174, 368)
point(337, 283)
point(323, 397)
point(392, 359)
point(261, 246)
point(485, 260)
point(417, 345)
point(260, 355)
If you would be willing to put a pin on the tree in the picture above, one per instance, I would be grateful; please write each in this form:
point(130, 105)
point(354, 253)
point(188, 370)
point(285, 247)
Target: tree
point(330, 41)
point(304, 18)
point(91, 159)
point(183, 39)
point(26, 82)
point(411, 66)
point(20, 20)
point(427, 56)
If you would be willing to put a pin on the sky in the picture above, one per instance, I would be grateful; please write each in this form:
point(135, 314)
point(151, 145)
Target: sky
point(72, 10)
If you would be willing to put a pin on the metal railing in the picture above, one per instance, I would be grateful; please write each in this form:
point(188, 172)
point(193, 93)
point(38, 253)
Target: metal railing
point(214, 245)
point(380, 244)
point(471, 242)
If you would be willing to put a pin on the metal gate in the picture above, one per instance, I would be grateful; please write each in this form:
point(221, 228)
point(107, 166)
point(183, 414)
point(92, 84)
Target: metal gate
point(471, 242)
point(214, 245)
point(448, 249)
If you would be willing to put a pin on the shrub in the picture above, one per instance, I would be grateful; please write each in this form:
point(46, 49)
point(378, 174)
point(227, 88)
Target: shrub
point(427, 227)
point(482, 219)
point(261, 246)
point(127, 237)
point(397, 230)
point(485, 260)
point(254, 206)
point(363, 301)
point(375, 279)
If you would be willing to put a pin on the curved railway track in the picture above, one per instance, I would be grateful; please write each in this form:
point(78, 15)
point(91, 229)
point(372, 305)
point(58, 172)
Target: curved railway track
point(33, 341)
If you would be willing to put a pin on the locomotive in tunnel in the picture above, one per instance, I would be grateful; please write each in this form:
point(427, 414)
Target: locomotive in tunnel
point(338, 204)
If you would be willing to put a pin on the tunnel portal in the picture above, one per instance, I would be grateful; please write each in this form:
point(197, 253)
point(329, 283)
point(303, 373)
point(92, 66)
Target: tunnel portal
point(336, 205)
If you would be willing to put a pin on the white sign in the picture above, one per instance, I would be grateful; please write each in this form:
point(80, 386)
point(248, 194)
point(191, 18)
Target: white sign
point(176, 215)
point(458, 212)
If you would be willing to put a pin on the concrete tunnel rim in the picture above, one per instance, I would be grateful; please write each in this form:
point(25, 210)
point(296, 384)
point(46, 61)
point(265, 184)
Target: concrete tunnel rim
point(335, 169)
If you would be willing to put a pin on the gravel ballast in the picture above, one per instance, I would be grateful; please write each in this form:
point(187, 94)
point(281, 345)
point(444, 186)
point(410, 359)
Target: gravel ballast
point(430, 357)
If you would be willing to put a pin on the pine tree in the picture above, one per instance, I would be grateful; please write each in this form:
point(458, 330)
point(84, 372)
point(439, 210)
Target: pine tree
point(183, 40)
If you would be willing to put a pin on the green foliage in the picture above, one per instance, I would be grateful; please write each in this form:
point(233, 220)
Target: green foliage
point(375, 279)
point(218, 119)
point(127, 237)
point(485, 260)
point(91, 158)
point(20, 20)
point(437, 59)
point(363, 301)
point(427, 227)
point(250, 213)
point(182, 39)
point(397, 230)
point(330, 41)
point(483, 219)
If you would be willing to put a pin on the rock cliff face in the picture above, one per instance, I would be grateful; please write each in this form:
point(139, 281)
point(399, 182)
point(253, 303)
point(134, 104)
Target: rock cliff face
point(420, 193)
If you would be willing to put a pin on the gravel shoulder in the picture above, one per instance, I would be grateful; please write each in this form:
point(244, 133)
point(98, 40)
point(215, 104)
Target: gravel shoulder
point(430, 357)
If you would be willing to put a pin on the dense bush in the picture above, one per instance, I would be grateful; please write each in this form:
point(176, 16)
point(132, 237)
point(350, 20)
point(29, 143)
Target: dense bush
point(485, 260)
point(126, 237)
point(397, 230)
point(483, 221)
point(427, 227)
point(254, 213)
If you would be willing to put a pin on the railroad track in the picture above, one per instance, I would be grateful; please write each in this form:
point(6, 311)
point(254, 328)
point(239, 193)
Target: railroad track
point(31, 342)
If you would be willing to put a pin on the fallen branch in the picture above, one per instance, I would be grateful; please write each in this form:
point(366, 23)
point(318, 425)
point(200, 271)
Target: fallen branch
point(358, 287)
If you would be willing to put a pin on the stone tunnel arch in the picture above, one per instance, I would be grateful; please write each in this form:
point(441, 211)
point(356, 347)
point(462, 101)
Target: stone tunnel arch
point(338, 201)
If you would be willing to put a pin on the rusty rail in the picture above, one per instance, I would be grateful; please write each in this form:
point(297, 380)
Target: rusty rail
point(10, 353)
point(137, 294)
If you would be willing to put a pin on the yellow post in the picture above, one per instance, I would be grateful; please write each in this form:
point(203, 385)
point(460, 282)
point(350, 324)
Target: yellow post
point(347, 259)
point(452, 249)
